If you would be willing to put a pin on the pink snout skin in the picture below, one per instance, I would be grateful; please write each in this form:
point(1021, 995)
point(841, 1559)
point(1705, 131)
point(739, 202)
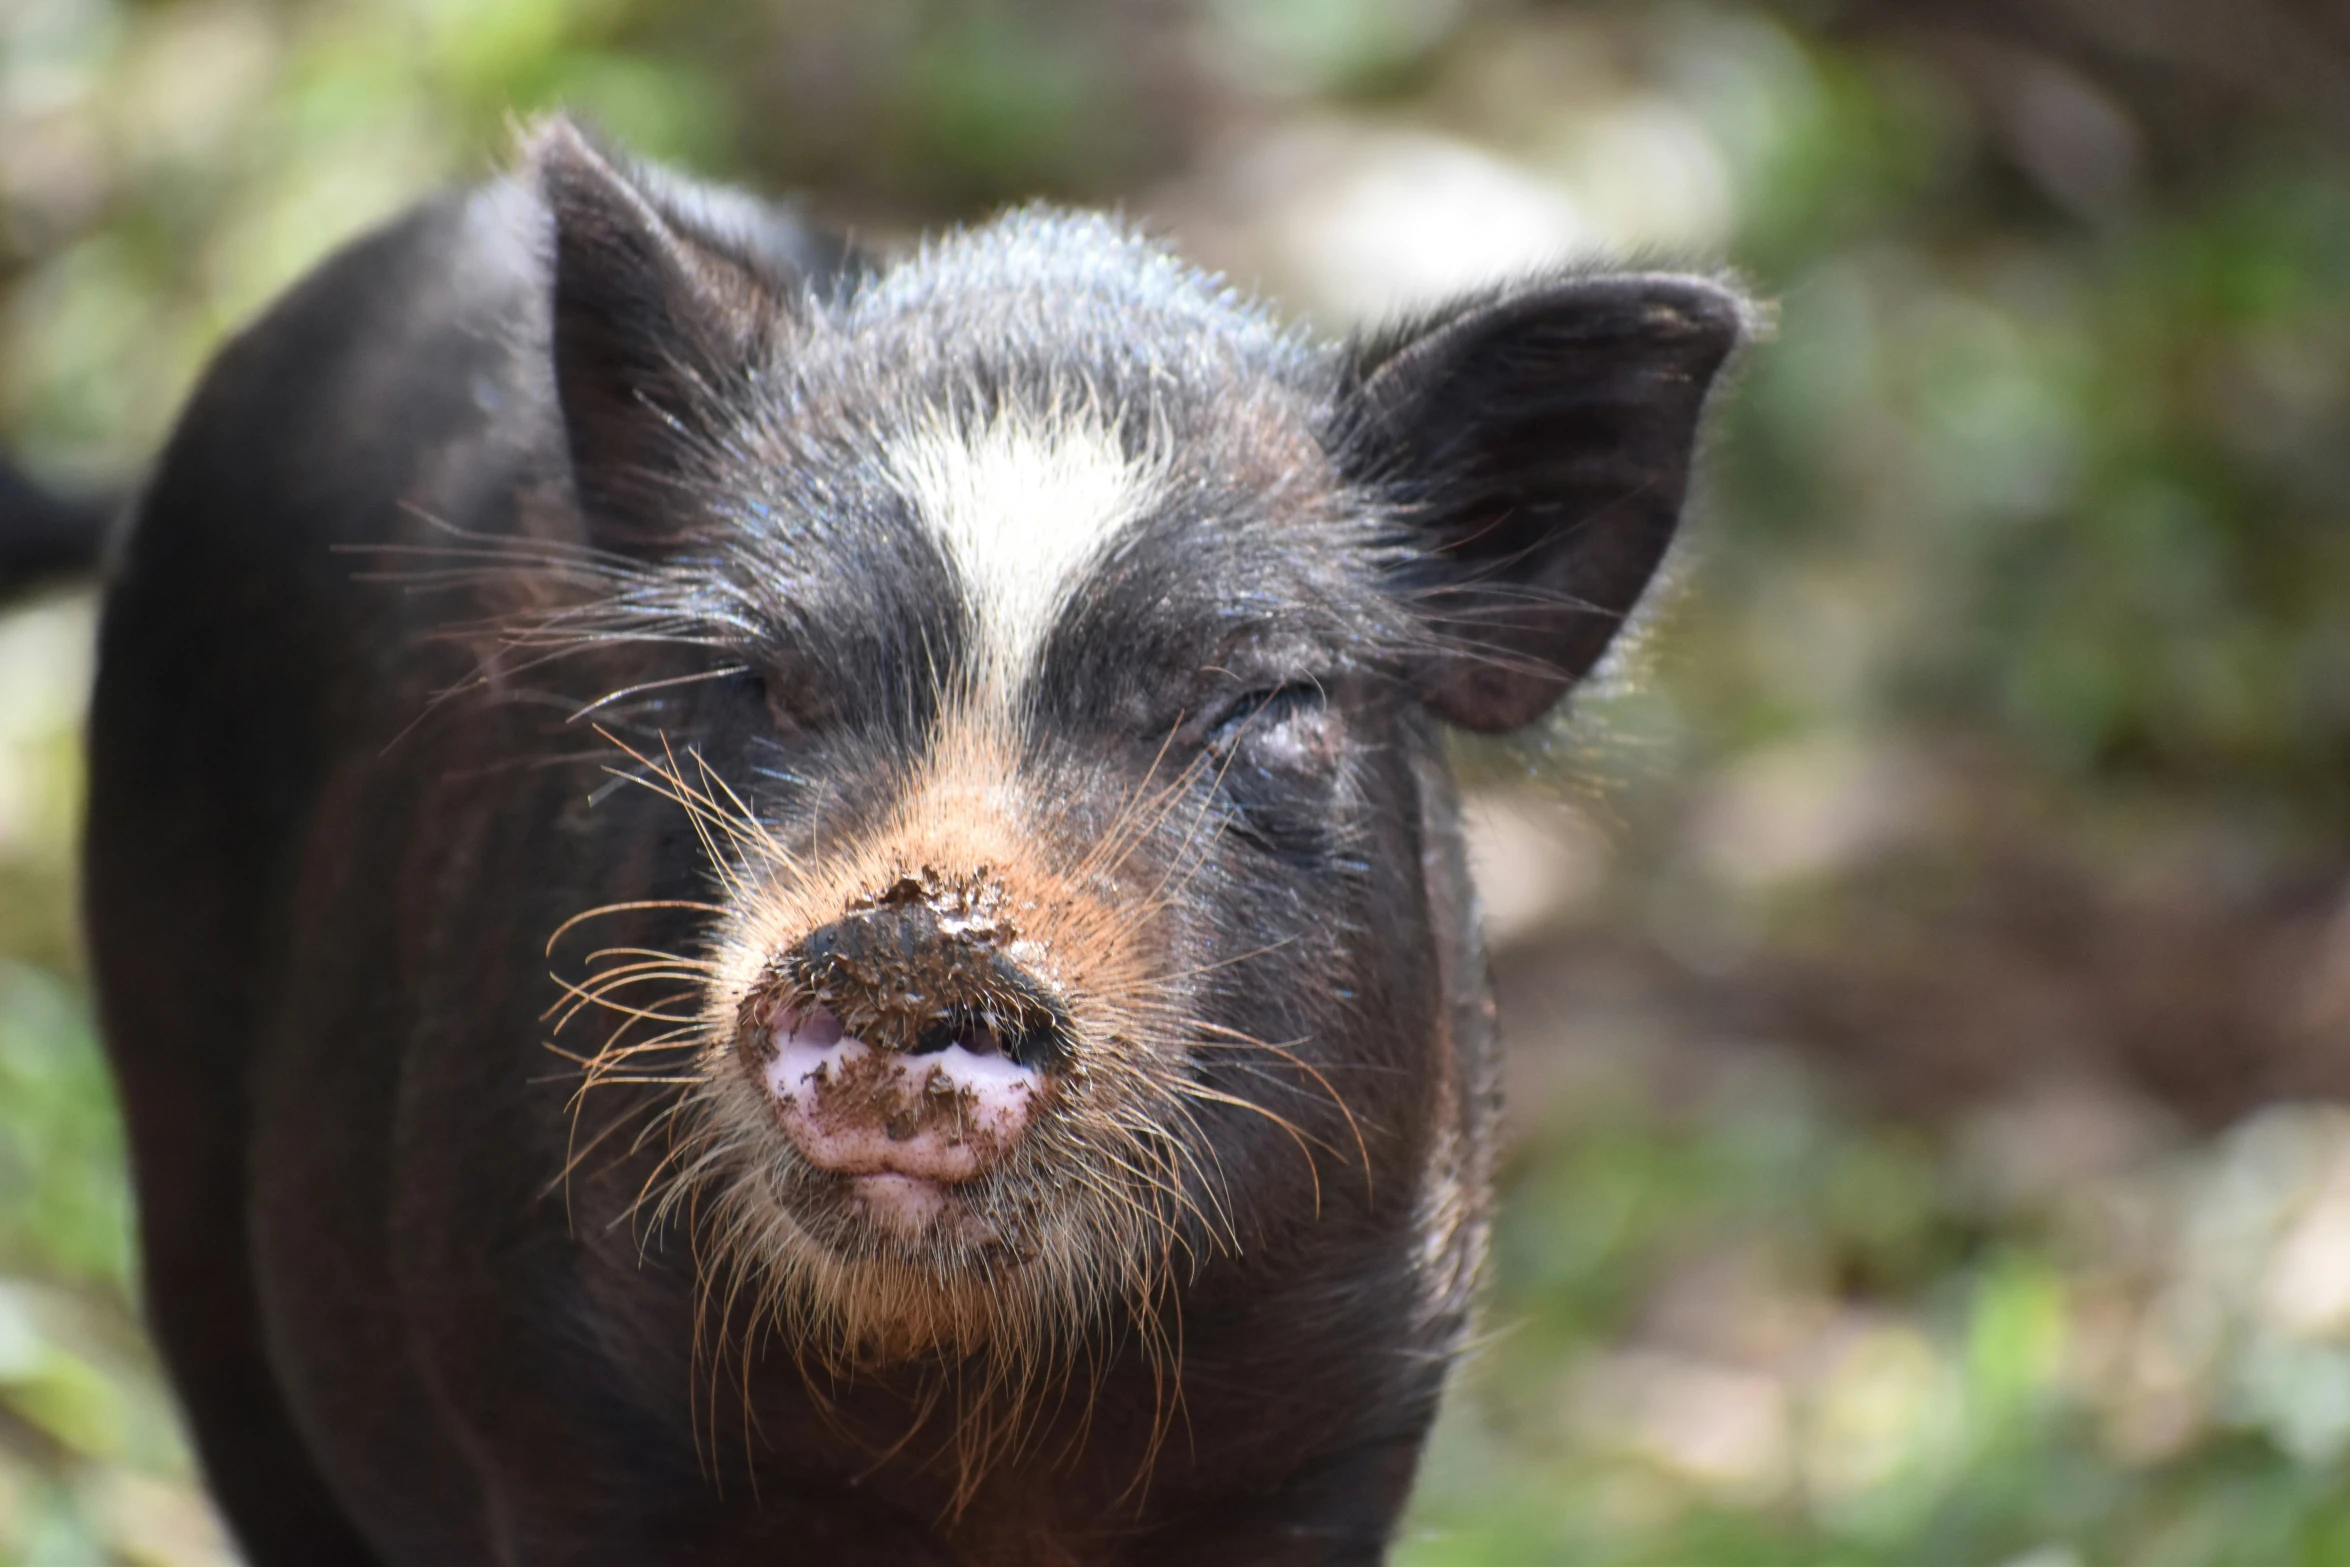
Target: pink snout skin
point(941, 1117)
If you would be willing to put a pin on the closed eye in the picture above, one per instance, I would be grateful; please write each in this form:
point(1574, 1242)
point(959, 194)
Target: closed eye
point(1263, 709)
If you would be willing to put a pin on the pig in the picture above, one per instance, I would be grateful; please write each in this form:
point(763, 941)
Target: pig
point(754, 903)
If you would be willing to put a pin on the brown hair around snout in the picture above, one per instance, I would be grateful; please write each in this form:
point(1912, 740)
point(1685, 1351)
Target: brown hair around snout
point(942, 1095)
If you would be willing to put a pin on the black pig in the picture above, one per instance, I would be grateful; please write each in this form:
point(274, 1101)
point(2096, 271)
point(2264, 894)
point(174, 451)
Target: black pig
point(759, 907)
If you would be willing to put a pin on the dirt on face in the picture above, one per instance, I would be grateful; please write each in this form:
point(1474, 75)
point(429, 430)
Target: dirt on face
point(914, 967)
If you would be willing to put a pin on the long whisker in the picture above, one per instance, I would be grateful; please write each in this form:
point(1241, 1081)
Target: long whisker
point(622, 908)
point(609, 697)
point(1236, 1037)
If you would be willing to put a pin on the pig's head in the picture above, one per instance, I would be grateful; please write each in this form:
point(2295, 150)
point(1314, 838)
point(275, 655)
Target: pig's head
point(1069, 648)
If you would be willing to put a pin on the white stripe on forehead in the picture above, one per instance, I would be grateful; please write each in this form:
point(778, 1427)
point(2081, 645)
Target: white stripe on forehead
point(1023, 506)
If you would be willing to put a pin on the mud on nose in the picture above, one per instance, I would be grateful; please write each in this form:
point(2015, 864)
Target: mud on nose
point(902, 1041)
point(903, 980)
point(855, 1108)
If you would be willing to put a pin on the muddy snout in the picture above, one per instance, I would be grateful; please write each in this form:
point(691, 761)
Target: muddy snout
point(902, 1040)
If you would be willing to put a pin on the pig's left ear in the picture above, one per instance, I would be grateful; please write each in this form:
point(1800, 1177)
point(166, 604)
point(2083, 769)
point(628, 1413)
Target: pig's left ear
point(1537, 446)
point(664, 295)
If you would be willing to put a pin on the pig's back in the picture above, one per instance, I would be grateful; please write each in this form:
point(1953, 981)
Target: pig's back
point(238, 650)
point(239, 657)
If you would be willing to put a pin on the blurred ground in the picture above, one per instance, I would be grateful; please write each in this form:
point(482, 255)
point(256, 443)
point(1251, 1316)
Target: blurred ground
point(1926, 961)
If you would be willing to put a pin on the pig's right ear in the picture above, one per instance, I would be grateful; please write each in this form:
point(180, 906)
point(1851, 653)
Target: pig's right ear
point(651, 324)
point(1536, 445)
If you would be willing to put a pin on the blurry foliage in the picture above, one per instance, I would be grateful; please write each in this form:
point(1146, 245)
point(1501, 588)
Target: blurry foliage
point(2085, 487)
point(2042, 472)
point(1744, 1331)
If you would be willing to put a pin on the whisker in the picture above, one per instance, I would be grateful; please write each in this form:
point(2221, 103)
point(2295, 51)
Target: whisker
point(622, 908)
point(639, 689)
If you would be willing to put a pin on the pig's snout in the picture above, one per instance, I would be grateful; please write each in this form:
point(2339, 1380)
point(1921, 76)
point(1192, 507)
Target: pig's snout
point(854, 1109)
point(900, 1045)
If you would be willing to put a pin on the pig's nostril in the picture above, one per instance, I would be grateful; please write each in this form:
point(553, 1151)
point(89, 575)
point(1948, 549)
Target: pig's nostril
point(1037, 1042)
point(975, 1035)
point(817, 1027)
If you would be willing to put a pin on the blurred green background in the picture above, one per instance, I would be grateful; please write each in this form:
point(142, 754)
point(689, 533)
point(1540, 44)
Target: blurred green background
point(1926, 959)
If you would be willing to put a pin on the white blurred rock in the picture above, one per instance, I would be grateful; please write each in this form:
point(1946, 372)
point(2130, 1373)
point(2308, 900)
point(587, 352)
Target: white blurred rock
point(1719, 1427)
point(47, 656)
point(1646, 173)
point(1875, 1412)
point(48, 653)
point(1809, 807)
point(1357, 222)
point(2306, 1293)
point(1533, 859)
point(158, 1523)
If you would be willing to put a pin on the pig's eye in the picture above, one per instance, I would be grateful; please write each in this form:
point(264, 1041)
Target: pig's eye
point(1284, 726)
point(1277, 753)
point(1255, 709)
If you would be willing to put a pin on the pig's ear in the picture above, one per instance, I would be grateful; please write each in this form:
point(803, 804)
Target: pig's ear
point(1537, 445)
point(664, 297)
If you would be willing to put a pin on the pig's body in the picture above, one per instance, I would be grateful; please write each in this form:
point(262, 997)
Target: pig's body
point(1031, 614)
